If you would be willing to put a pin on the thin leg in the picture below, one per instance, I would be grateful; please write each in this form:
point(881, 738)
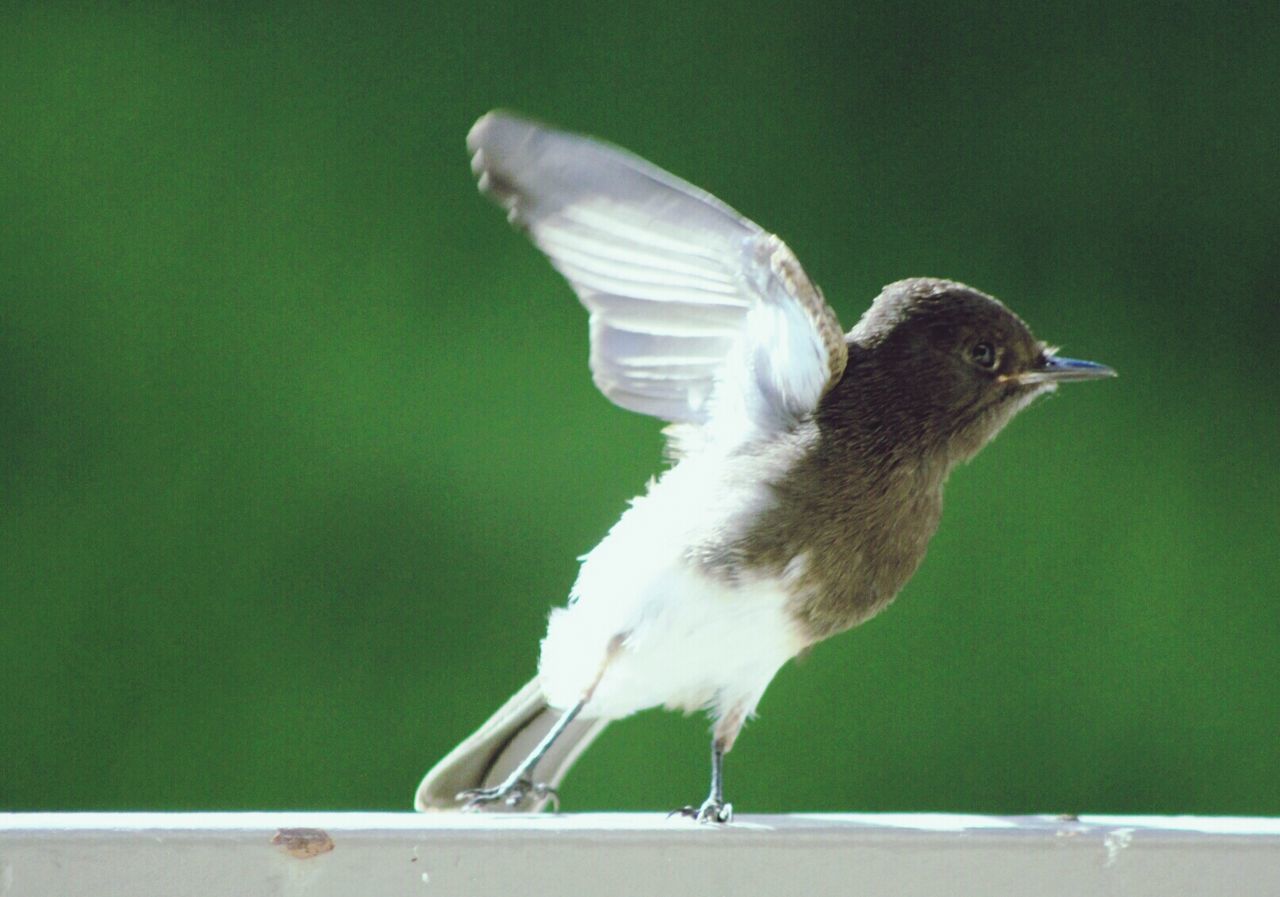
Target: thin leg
point(714, 809)
point(517, 786)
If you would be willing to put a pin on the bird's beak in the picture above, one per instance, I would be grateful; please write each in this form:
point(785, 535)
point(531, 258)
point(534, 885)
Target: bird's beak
point(1054, 369)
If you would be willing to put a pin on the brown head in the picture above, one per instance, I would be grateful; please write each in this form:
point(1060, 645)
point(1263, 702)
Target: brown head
point(941, 366)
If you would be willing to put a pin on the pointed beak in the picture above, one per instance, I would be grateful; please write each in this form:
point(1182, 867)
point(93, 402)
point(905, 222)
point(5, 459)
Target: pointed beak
point(1054, 369)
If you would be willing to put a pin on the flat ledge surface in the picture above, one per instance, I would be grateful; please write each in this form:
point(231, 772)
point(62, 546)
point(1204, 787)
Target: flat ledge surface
point(371, 854)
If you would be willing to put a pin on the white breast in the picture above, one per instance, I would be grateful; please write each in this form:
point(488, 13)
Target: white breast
point(689, 640)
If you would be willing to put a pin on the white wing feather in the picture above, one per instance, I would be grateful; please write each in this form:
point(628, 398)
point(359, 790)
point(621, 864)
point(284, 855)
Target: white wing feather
point(698, 315)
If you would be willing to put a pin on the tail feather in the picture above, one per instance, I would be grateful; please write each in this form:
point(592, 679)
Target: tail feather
point(495, 749)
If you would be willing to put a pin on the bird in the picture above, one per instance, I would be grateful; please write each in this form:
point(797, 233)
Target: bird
point(806, 469)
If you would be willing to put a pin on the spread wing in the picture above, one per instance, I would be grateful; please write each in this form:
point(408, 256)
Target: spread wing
point(698, 316)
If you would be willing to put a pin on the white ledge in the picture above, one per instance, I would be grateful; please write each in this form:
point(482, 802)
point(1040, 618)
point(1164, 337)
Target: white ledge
point(372, 854)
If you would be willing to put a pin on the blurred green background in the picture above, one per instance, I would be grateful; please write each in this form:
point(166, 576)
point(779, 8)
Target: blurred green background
point(298, 444)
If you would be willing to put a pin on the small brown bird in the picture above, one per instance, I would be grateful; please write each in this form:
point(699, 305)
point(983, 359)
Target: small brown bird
point(808, 464)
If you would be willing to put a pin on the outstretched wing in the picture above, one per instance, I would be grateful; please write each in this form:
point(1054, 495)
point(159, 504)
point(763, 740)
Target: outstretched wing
point(697, 314)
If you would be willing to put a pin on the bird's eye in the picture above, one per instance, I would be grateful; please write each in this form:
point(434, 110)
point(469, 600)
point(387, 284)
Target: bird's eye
point(983, 355)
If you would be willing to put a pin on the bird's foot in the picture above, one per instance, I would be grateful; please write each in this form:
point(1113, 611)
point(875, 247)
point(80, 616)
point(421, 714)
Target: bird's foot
point(712, 810)
point(513, 793)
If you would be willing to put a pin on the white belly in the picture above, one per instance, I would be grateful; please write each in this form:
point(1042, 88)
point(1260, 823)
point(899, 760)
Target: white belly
point(689, 640)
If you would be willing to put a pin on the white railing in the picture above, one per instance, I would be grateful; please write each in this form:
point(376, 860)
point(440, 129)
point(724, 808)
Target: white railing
point(445, 854)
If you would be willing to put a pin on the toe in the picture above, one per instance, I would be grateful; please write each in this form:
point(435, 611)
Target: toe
point(713, 811)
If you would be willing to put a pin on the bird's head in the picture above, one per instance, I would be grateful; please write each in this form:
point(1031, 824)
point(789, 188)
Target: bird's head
point(958, 364)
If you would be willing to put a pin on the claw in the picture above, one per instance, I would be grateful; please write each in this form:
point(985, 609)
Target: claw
point(547, 793)
point(715, 811)
point(710, 811)
point(513, 794)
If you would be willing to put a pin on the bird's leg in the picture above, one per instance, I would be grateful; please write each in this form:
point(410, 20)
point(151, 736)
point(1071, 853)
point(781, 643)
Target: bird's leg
point(519, 784)
point(516, 787)
point(714, 808)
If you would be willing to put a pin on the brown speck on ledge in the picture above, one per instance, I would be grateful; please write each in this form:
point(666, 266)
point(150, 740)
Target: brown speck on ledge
point(303, 843)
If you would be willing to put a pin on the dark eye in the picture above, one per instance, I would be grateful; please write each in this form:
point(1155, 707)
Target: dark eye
point(983, 355)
